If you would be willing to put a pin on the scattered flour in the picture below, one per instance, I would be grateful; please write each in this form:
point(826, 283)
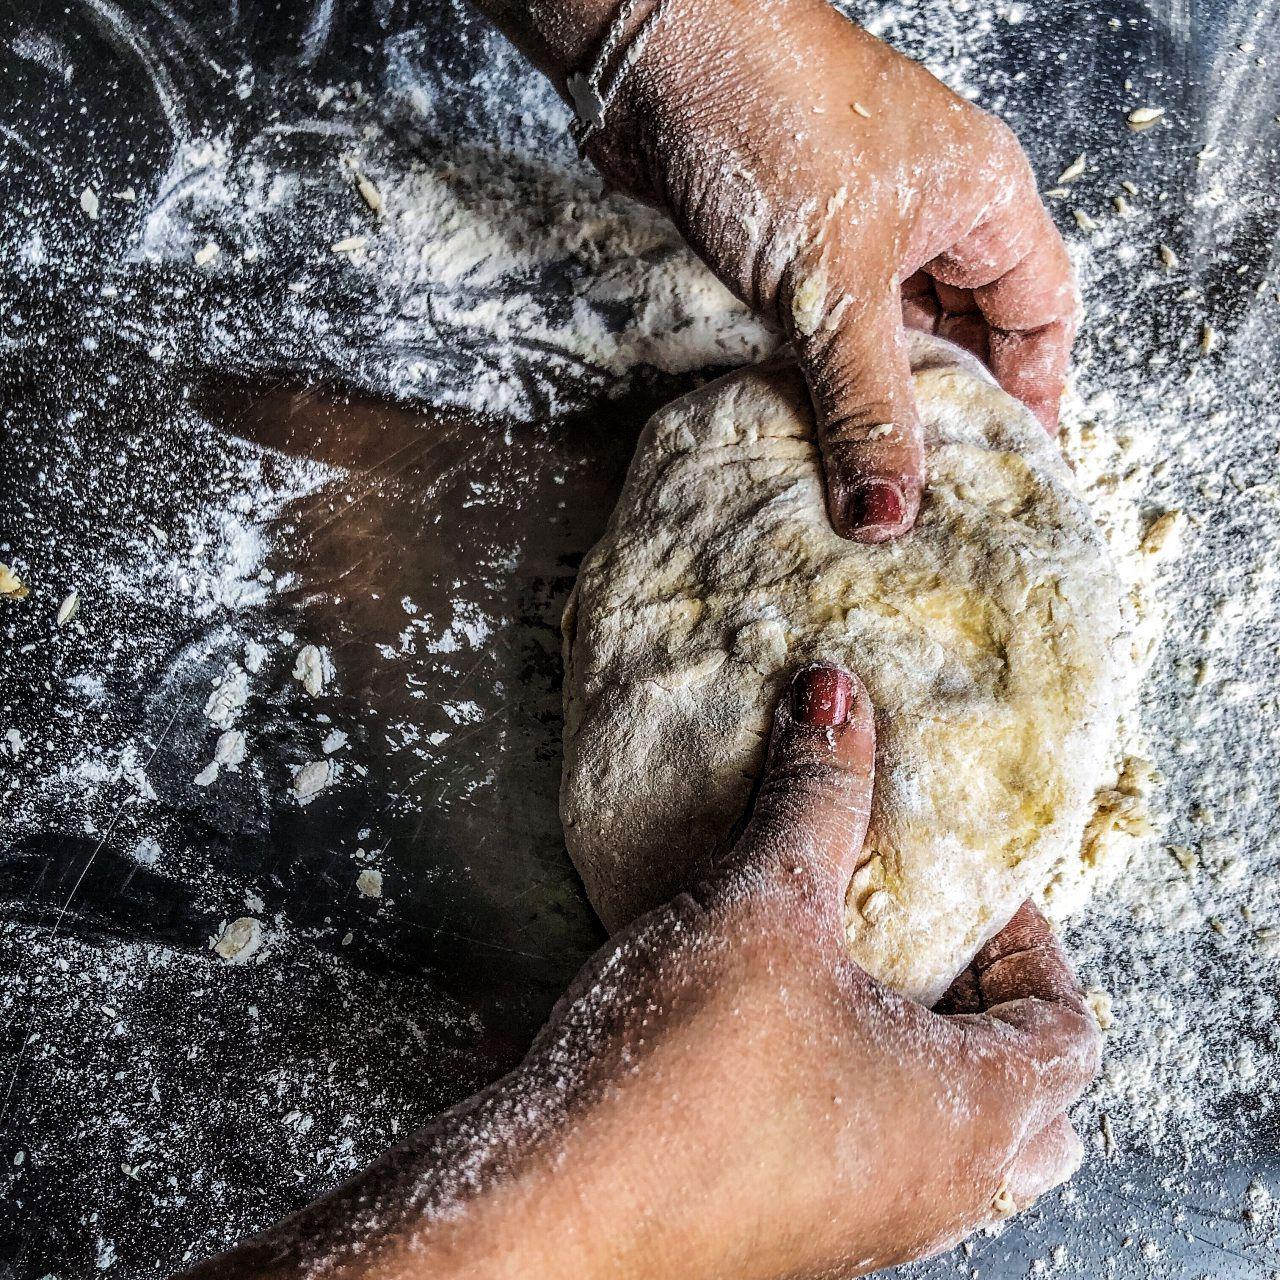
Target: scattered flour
point(313, 669)
point(311, 779)
point(369, 882)
point(239, 941)
point(495, 277)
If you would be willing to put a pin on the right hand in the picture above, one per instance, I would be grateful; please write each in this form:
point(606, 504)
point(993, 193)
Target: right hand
point(724, 1092)
point(852, 1128)
point(744, 121)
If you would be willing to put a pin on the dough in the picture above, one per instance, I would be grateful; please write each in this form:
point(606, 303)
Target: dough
point(990, 639)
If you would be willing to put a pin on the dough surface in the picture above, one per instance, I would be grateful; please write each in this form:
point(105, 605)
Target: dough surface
point(989, 639)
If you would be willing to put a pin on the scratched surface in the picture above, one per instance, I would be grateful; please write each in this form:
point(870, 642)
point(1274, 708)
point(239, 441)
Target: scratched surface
point(157, 1102)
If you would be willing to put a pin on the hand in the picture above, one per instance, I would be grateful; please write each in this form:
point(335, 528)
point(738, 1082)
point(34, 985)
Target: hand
point(724, 1092)
point(815, 170)
point(799, 1118)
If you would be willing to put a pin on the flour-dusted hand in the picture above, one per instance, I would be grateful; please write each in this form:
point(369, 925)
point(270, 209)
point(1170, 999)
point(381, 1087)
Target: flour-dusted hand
point(815, 170)
point(837, 187)
point(724, 1092)
point(871, 1131)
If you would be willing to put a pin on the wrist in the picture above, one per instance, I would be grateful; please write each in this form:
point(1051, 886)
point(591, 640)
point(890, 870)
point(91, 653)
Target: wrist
point(696, 58)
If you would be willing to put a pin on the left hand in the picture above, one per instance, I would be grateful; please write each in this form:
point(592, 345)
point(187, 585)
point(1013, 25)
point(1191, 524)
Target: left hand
point(835, 185)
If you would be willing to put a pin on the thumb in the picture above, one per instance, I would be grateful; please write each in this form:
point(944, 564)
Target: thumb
point(815, 796)
point(869, 433)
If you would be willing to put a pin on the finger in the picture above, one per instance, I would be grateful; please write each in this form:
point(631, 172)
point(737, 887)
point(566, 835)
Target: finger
point(1026, 961)
point(1047, 1160)
point(869, 432)
point(1042, 1034)
point(954, 301)
point(960, 321)
point(815, 795)
point(1032, 367)
point(968, 330)
point(920, 305)
point(1015, 263)
point(1032, 313)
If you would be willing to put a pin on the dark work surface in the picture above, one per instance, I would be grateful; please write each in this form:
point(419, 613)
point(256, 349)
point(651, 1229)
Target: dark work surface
point(215, 1098)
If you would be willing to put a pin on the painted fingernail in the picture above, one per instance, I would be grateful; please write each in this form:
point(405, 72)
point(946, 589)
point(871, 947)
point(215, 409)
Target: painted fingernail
point(877, 505)
point(821, 697)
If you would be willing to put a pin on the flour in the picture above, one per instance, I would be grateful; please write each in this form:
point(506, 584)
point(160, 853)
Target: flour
point(230, 693)
point(494, 276)
point(311, 779)
point(238, 941)
point(467, 248)
point(369, 883)
point(313, 669)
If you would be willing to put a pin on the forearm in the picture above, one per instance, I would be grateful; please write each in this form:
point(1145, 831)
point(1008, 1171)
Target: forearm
point(558, 36)
point(565, 36)
point(573, 1167)
point(485, 1190)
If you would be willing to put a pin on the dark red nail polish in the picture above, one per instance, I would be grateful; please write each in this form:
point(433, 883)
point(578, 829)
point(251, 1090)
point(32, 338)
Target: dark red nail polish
point(821, 697)
point(875, 504)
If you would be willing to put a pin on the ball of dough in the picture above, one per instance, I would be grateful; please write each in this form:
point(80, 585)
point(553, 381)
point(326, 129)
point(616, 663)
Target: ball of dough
point(989, 639)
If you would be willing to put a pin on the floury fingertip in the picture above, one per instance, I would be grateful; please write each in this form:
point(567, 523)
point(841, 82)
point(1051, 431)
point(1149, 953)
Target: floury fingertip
point(822, 697)
point(876, 511)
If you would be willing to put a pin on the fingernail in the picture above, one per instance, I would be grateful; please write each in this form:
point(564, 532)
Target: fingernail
point(873, 506)
point(822, 697)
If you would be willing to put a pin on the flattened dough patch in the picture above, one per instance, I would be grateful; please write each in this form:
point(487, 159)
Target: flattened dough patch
point(990, 639)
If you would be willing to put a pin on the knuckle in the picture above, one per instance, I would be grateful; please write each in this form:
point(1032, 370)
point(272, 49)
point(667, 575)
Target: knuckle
point(998, 143)
point(796, 781)
point(870, 425)
point(1051, 1036)
point(1070, 1035)
point(999, 133)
